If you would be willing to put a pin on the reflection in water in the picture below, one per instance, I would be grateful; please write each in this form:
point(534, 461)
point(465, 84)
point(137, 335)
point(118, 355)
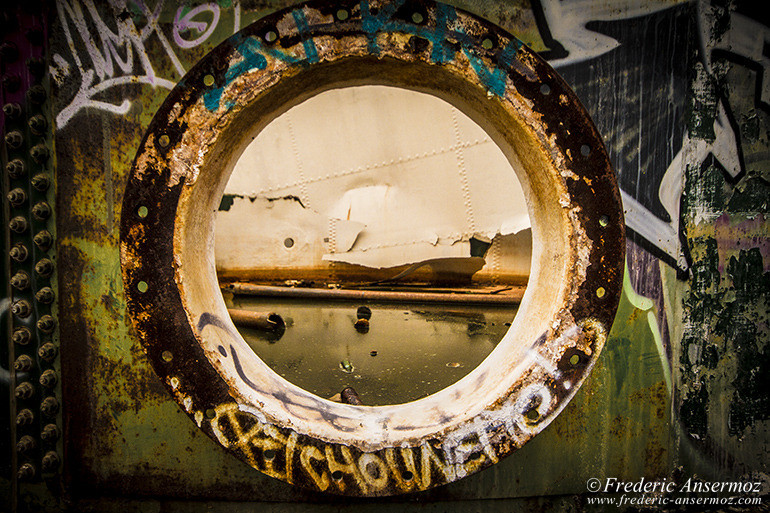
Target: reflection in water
point(407, 352)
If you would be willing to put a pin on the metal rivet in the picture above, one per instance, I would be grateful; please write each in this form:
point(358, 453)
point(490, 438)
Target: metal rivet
point(26, 472)
point(585, 150)
point(43, 240)
point(46, 324)
point(41, 182)
point(24, 390)
point(269, 454)
point(23, 363)
point(417, 18)
point(270, 36)
point(337, 475)
point(15, 168)
point(48, 378)
point(22, 337)
point(45, 295)
point(574, 359)
point(288, 242)
point(167, 356)
point(49, 407)
point(36, 94)
point(44, 268)
point(25, 417)
point(407, 475)
point(12, 110)
point(487, 43)
point(47, 352)
point(532, 414)
point(50, 433)
point(142, 286)
point(208, 80)
point(17, 197)
point(545, 89)
point(142, 211)
point(25, 444)
point(600, 292)
point(39, 153)
point(14, 139)
point(50, 462)
point(38, 124)
point(21, 308)
point(211, 413)
point(36, 67)
point(164, 140)
point(19, 252)
point(342, 14)
point(9, 52)
point(41, 211)
point(20, 280)
point(18, 224)
point(604, 221)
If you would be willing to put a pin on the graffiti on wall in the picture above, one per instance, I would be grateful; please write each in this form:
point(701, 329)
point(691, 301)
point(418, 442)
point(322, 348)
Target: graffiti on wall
point(128, 47)
point(629, 64)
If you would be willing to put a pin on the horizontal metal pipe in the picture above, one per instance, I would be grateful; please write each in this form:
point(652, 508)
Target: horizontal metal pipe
point(509, 298)
point(265, 321)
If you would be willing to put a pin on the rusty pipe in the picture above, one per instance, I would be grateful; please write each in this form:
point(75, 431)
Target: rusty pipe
point(265, 321)
point(509, 299)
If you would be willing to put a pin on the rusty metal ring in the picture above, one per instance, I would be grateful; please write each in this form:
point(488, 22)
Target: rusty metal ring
point(177, 181)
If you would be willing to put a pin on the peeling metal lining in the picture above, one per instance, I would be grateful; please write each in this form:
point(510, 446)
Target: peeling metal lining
point(180, 173)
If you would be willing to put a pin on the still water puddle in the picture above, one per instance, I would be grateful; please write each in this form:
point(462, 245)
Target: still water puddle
point(409, 351)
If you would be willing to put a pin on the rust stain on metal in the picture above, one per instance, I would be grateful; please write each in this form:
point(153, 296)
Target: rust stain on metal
point(173, 296)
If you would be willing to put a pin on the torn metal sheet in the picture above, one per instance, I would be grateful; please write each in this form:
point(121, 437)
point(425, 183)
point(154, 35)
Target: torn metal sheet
point(419, 175)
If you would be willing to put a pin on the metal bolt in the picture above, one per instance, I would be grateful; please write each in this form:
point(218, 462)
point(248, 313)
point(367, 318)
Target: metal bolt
point(36, 67)
point(41, 211)
point(25, 444)
point(43, 240)
point(24, 390)
point(36, 94)
point(23, 363)
point(22, 336)
point(26, 472)
point(38, 124)
point(35, 36)
point(46, 324)
point(19, 253)
point(14, 139)
point(47, 352)
point(44, 268)
point(15, 168)
point(45, 295)
point(41, 182)
point(25, 417)
point(9, 52)
point(11, 83)
point(50, 433)
point(39, 153)
point(48, 378)
point(21, 308)
point(18, 224)
point(17, 197)
point(50, 462)
point(12, 110)
point(20, 280)
point(49, 407)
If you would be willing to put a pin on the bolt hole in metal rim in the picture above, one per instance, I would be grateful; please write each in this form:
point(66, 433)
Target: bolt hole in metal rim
point(183, 165)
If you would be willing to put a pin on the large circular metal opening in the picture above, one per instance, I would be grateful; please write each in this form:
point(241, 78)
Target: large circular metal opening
point(177, 183)
point(390, 196)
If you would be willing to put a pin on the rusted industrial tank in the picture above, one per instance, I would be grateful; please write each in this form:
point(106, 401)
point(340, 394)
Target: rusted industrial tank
point(384, 254)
